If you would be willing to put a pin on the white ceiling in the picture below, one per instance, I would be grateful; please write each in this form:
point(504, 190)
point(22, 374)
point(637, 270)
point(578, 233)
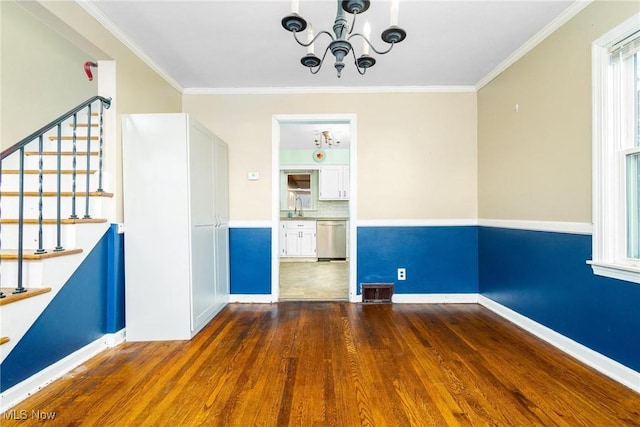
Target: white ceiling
point(303, 135)
point(221, 45)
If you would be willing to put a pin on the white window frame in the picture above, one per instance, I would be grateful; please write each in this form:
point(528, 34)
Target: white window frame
point(609, 177)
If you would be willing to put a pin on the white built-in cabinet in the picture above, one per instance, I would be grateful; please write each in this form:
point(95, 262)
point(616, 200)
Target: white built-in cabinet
point(298, 238)
point(176, 215)
point(334, 182)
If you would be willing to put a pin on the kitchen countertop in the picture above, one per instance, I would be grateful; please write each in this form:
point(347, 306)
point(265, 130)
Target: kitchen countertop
point(314, 218)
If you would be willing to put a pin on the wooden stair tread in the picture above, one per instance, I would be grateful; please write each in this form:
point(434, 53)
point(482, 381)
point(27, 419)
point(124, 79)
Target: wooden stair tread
point(70, 138)
point(47, 171)
point(55, 193)
point(63, 153)
point(4, 340)
point(28, 254)
point(53, 220)
point(11, 297)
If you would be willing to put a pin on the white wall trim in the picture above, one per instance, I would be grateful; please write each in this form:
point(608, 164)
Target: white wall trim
point(610, 237)
point(327, 89)
point(36, 382)
point(107, 87)
point(627, 273)
point(435, 298)
point(116, 338)
point(251, 224)
point(534, 41)
point(251, 299)
point(276, 121)
point(599, 362)
point(416, 222)
point(551, 226)
point(96, 13)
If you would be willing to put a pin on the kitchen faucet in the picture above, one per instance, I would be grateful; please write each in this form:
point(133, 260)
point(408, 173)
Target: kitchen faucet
point(298, 212)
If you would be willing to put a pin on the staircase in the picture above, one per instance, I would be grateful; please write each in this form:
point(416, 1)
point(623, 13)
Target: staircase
point(52, 206)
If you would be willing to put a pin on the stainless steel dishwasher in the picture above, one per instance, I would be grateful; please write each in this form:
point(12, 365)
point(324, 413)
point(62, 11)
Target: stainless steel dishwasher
point(332, 239)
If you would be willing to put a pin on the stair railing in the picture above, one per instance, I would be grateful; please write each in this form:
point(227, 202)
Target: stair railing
point(38, 135)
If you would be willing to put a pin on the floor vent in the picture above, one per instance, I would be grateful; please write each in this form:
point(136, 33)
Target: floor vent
point(377, 292)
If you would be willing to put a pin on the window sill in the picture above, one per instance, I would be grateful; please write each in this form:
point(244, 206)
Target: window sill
point(628, 273)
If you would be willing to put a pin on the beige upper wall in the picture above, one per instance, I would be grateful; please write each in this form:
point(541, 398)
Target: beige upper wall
point(416, 153)
point(138, 88)
point(535, 164)
point(42, 74)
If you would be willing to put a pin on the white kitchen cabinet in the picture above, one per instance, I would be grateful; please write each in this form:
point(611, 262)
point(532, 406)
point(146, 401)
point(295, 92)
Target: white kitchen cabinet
point(334, 182)
point(298, 238)
point(175, 178)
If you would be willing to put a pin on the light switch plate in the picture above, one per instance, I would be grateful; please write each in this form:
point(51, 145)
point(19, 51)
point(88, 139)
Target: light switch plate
point(253, 176)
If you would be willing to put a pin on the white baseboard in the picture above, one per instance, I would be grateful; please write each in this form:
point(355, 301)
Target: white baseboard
point(36, 382)
point(252, 298)
point(597, 361)
point(115, 339)
point(435, 298)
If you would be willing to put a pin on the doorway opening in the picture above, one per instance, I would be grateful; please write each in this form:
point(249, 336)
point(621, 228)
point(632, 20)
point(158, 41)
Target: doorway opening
point(313, 207)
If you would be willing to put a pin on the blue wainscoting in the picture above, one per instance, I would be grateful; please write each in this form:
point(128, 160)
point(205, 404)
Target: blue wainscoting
point(438, 259)
point(89, 305)
point(115, 281)
point(543, 276)
point(250, 260)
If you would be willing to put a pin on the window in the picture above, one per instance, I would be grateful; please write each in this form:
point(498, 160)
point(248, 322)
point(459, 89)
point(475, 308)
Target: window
point(298, 190)
point(616, 152)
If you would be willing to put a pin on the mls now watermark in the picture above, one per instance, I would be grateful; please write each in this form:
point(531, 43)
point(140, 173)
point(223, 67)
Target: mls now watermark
point(35, 414)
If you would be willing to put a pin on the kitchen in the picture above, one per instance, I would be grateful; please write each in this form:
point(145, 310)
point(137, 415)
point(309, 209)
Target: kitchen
point(314, 211)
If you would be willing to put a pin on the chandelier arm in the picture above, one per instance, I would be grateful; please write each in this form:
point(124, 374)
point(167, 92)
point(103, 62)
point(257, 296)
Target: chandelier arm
point(321, 62)
point(313, 40)
point(373, 48)
point(353, 22)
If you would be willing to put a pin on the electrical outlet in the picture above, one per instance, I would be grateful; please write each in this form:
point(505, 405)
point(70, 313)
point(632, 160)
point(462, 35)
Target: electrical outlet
point(402, 274)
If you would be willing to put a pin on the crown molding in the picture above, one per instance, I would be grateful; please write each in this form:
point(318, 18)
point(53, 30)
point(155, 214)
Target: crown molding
point(97, 14)
point(545, 32)
point(328, 89)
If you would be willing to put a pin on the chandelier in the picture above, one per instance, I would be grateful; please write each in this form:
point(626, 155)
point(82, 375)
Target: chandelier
point(340, 44)
point(326, 137)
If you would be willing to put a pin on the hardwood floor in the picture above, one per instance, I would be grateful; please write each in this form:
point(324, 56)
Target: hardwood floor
point(338, 364)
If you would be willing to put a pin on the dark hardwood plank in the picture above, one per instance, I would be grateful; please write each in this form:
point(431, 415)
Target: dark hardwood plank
point(339, 364)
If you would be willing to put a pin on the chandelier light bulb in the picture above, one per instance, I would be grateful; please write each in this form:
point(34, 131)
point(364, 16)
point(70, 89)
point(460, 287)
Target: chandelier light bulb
point(395, 6)
point(367, 35)
point(310, 39)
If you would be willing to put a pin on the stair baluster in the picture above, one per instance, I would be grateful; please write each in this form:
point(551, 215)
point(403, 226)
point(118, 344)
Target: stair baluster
point(101, 132)
point(40, 249)
point(59, 246)
point(86, 208)
point(20, 289)
point(73, 166)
